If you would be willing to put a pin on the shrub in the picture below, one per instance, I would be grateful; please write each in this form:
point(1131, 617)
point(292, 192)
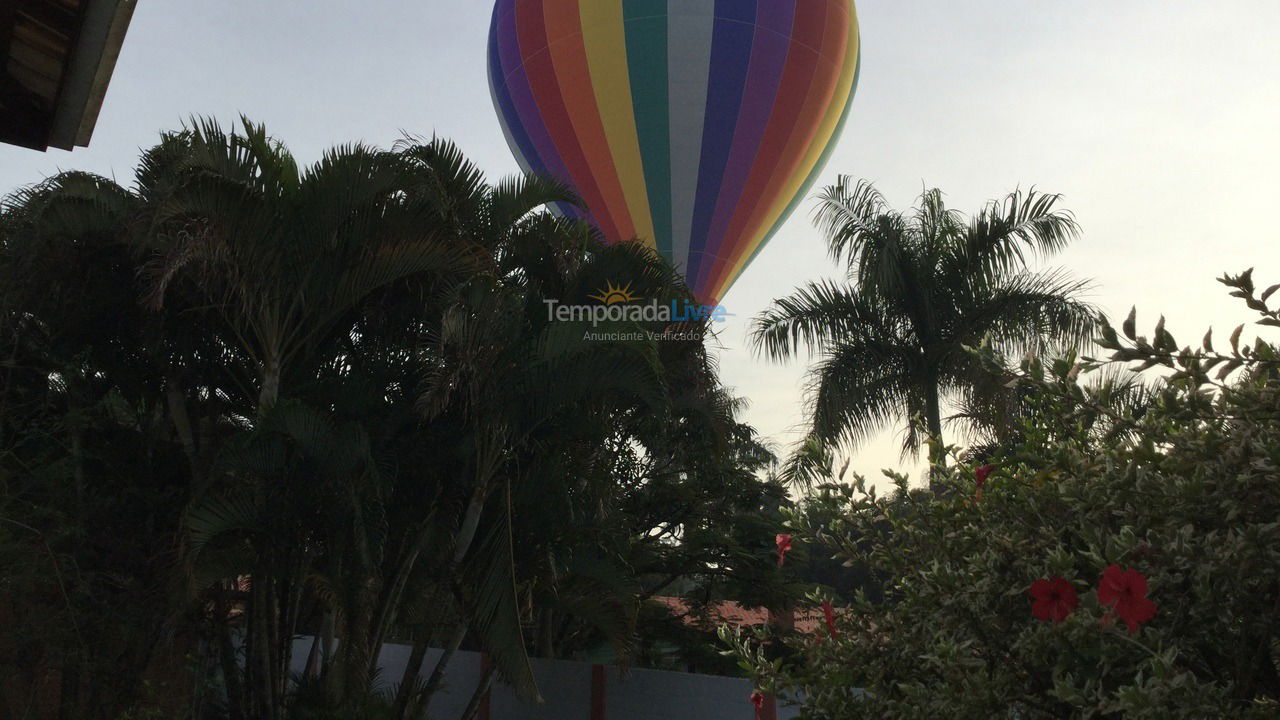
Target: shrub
point(1177, 486)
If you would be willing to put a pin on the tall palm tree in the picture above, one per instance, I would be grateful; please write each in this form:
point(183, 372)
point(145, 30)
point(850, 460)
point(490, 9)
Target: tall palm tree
point(511, 380)
point(340, 382)
point(256, 271)
point(919, 288)
point(286, 252)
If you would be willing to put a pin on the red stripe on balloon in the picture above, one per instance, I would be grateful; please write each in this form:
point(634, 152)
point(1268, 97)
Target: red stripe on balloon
point(515, 97)
point(791, 129)
point(541, 72)
point(569, 53)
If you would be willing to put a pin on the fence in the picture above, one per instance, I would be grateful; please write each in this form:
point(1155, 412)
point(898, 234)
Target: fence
point(580, 691)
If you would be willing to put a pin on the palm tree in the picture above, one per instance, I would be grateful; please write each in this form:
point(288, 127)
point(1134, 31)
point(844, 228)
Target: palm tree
point(920, 288)
point(285, 252)
point(508, 378)
point(340, 382)
point(257, 272)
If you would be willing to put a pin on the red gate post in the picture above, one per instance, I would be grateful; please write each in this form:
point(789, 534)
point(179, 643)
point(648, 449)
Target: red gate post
point(486, 664)
point(599, 692)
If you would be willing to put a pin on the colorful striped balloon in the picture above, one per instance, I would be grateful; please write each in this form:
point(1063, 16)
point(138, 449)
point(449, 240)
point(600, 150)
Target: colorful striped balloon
point(695, 126)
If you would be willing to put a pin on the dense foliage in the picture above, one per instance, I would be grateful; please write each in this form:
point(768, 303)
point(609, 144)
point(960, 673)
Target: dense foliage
point(244, 400)
point(1119, 556)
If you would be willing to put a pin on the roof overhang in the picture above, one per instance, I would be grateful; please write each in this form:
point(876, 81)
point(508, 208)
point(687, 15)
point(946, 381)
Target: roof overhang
point(56, 60)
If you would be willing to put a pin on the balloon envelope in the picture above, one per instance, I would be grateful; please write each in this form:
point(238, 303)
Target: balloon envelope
point(695, 126)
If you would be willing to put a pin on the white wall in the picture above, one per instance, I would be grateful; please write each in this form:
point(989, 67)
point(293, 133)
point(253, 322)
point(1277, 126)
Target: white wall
point(631, 695)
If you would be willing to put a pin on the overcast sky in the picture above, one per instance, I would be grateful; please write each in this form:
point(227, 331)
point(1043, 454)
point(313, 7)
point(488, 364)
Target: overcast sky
point(1159, 120)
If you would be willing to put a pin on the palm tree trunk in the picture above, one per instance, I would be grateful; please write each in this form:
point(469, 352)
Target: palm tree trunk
point(270, 391)
point(258, 653)
point(6, 710)
point(258, 676)
point(182, 423)
point(411, 704)
point(466, 535)
point(231, 672)
point(389, 603)
point(409, 679)
point(482, 689)
point(470, 523)
point(437, 673)
point(937, 446)
point(280, 651)
point(69, 694)
point(547, 633)
point(75, 429)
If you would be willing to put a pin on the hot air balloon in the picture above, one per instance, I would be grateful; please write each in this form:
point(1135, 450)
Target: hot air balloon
point(695, 126)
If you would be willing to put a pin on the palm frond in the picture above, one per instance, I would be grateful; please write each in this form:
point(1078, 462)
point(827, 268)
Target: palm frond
point(220, 515)
point(857, 389)
point(1002, 233)
point(809, 464)
point(813, 317)
point(495, 616)
point(847, 213)
point(1037, 312)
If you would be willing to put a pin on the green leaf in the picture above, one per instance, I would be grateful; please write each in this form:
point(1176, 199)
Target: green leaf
point(1130, 326)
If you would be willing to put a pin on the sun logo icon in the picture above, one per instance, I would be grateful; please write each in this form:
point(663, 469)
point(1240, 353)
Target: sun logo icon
point(613, 294)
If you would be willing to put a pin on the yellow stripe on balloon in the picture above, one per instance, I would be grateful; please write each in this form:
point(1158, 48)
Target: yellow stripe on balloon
point(830, 123)
point(604, 37)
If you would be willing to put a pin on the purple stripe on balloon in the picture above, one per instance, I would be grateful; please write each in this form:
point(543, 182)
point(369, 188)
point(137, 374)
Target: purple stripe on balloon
point(521, 109)
point(730, 56)
point(764, 75)
point(542, 155)
point(511, 126)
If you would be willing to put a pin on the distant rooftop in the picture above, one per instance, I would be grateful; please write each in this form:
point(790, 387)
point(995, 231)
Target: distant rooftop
point(728, 612)
point(56, 60)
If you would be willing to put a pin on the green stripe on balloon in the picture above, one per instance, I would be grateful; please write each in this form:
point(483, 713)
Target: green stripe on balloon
point(646, 32)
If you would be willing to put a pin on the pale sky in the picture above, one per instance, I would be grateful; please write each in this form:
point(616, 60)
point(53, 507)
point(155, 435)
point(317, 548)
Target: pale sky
point(1159, 120)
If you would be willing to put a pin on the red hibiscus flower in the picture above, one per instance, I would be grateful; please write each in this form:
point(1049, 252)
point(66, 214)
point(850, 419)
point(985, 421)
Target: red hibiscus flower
point(784, 546)
point(830, 616)
point(757, 701)
point(981, 475)
point(1053, 599)
point(1125, 591)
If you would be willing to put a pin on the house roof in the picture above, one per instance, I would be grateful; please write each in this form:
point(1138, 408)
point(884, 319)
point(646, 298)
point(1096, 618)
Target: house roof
point(733, 614)
point(56, 60)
